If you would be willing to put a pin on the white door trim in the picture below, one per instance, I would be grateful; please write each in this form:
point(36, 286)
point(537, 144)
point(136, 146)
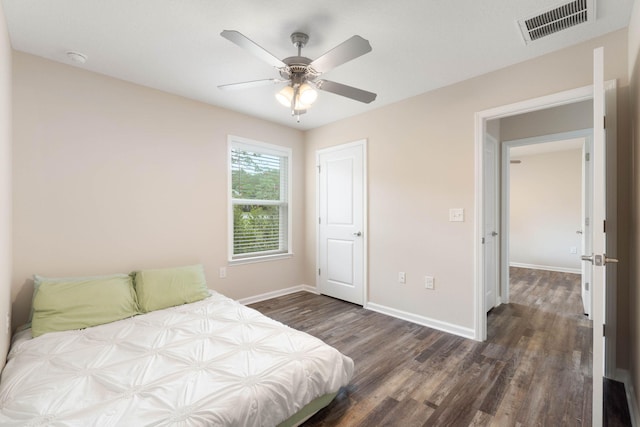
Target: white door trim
point(365, 213)
point(481, 118)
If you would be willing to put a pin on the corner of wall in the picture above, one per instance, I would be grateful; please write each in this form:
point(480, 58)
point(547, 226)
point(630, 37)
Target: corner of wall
point(5, 188)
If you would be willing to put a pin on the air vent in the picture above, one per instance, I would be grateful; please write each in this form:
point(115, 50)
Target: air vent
point(557, 19)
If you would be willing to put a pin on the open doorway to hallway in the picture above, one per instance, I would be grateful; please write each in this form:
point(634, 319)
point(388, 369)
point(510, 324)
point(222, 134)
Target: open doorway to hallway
point(547, 209)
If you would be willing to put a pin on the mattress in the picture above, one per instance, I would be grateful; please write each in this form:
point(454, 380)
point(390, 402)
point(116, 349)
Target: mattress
point(214, 362)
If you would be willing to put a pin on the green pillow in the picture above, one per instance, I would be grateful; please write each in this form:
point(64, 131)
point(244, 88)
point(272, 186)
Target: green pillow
point(61, 304)
point(168, 287)
point(37, 281)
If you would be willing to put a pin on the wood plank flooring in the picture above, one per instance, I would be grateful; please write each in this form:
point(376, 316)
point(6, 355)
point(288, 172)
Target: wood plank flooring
point(616, 410)
point(534, 369)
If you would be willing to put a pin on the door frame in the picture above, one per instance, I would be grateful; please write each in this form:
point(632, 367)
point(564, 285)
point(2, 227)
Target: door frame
point(365, 214)
point(571, 96)
point(505, 180)
point(584, 93)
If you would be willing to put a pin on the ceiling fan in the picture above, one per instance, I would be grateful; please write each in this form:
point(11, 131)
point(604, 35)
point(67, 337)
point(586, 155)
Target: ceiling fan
point(302, 74)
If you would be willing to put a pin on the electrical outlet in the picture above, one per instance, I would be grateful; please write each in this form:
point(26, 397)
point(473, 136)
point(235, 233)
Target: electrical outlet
point(223, 272)
point(402, 278)
point(573, 250)
point(429, 282)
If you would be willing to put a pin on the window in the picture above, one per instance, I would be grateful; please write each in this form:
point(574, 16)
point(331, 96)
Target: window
point(259, 199)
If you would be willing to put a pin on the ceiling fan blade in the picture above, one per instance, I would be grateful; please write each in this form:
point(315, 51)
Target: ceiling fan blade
point(346, 51)
point(251, 84)
point(344, 90)
point(248, 44)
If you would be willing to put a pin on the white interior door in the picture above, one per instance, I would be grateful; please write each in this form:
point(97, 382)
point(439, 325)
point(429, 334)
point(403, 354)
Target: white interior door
point(491, 240)
point(341, 213)
point(598, 258)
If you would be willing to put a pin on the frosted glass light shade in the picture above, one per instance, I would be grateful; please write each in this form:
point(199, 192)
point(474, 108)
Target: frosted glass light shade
point(284, 96)
point(306, 96)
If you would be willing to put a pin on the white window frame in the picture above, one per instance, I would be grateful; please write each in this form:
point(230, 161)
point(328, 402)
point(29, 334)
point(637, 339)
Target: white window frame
point(269, 149)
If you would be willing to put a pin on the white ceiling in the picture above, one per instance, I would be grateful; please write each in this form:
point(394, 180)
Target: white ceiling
point(175, 45)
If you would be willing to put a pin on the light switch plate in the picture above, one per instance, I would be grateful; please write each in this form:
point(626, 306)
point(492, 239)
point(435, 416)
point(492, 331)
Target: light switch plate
point(456, 215)
point(429, 282)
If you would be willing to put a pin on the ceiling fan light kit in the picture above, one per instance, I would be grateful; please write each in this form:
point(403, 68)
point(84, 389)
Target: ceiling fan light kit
point(300, 98)
point(302, 74)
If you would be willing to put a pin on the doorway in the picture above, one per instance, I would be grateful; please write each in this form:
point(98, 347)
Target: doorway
point(483, 129)
point(546, 206)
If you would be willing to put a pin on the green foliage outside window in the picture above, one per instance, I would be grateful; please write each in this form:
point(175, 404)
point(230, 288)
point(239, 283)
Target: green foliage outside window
point(257, 194)
point(254, 230)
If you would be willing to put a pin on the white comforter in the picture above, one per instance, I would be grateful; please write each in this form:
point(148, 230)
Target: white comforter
point(213, 362)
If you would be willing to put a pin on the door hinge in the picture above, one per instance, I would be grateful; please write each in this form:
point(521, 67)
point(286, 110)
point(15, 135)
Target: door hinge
point(586, 286)
point(483, 240)
point(604, 330)
point(604, 122)
point(319, 168)
point(604, 226)
point(319, 220)
point(586, 221)
point(587, 157)
point(318, 272)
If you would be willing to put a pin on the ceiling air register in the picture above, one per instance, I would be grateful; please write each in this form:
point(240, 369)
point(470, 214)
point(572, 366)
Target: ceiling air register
point(554, 20)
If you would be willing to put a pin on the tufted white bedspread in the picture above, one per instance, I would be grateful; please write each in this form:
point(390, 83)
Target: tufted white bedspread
point(210, 363)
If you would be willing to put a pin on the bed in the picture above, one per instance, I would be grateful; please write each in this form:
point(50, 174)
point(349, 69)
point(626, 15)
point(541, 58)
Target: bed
point(213, 362)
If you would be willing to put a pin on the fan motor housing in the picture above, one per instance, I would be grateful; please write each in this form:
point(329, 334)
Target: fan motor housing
point(297, 66)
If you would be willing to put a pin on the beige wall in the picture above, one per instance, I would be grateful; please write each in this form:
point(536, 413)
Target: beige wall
point(634, 291)
point(5, 186)
point(421, 163)
point(111, 176)
point(546, 205)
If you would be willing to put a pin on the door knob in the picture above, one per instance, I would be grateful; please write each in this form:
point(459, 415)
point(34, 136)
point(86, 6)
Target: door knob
point(599, 260)
point(494, 233)
point(578, 231)
point(358, 234)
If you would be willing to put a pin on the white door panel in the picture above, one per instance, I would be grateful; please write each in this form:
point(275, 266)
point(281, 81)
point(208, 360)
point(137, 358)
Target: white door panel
point(339, 187)
point(490, 235)
point(341, 213)
point(340, 262)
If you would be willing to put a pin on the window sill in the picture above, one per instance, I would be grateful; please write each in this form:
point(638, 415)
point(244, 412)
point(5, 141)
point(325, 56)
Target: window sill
point(263, 258)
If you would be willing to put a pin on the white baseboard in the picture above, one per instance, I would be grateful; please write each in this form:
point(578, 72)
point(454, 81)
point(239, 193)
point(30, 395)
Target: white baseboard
point(278, 293)
point(624, 376)
point(546, 268)
point(421, 320)
point(399, 314)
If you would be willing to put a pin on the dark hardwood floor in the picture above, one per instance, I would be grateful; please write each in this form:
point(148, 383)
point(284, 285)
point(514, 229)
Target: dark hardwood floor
point(534, 369)
point(616, 410)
